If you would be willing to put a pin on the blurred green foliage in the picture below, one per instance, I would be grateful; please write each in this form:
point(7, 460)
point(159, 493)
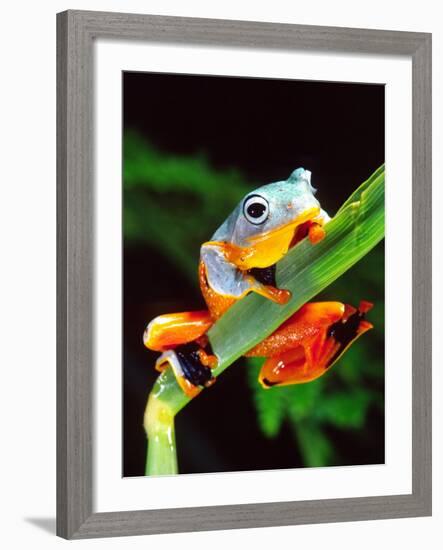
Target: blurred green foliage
point(161, 194)
point(175, 203)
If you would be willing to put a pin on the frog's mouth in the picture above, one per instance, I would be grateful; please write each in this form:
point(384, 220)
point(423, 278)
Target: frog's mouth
point(266, 275)
point(301, 231)
point(267, 249)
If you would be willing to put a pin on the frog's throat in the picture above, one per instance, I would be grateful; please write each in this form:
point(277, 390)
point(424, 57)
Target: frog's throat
point(269, 247)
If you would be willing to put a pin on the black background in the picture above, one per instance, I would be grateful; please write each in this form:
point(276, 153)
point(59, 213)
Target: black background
point(266, 128)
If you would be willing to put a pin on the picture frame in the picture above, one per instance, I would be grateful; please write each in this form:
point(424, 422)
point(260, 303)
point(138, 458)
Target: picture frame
point(76, 33)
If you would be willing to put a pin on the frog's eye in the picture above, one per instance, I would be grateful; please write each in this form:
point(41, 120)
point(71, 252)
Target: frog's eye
point(256, 209)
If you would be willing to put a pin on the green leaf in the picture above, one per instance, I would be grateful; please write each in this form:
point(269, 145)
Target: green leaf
point(357, 195)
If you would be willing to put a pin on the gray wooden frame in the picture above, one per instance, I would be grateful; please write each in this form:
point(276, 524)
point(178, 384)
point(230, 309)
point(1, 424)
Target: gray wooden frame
point(76, 32)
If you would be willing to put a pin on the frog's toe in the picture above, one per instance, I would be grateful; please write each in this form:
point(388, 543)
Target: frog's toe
point(191, 366)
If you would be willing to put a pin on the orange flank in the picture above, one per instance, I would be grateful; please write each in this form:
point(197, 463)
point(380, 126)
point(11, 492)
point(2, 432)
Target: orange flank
point(217, 303)
point(168, 331)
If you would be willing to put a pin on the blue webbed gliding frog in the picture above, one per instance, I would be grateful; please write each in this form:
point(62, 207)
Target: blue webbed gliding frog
point(240, 258)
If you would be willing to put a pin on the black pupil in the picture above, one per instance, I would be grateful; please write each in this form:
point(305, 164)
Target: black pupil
point(256, 209)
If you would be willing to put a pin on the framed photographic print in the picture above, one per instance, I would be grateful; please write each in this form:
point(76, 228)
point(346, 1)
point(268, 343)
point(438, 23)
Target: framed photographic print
point(244, 280)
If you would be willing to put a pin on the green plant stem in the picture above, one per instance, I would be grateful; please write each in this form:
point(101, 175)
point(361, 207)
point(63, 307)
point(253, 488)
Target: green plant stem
point(159, 425)
point(305, 270)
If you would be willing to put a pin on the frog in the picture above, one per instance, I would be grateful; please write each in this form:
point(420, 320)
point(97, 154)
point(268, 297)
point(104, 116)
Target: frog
point(242, 258)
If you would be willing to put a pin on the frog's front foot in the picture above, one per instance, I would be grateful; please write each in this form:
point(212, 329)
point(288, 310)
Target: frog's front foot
point(280, 296)
point(316, 233)
point(268, 286)
point(192, 366)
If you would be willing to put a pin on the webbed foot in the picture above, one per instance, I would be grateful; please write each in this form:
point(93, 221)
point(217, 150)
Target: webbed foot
point(305, 346)
point(191, 365)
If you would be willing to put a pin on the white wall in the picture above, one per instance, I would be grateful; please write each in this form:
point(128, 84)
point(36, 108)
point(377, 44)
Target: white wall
point(27, 271)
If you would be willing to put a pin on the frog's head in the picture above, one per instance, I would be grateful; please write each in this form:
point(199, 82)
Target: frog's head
point(261, 229)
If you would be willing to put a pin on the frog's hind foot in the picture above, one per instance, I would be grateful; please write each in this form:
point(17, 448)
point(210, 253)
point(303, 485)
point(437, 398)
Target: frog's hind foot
point(310, 342)
point(191, 365)
point(344, 332)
